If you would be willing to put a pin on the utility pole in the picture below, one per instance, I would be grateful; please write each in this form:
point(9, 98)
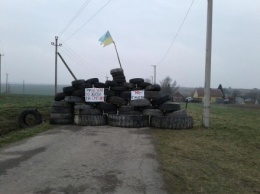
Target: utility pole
point(56, 60)
point(1, 55)
point(208, 66)
point(6, 83)
point(154, 80)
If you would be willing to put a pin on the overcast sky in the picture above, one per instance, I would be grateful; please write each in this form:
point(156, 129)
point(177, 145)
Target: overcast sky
point(143, 31)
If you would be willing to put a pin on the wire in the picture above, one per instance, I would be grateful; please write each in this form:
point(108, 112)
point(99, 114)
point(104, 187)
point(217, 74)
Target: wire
point(88, 20)
point(74, 56)
point(184, 19)
point(75, 16)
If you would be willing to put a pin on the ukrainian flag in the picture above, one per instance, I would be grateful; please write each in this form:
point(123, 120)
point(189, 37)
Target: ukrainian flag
point(106, 39)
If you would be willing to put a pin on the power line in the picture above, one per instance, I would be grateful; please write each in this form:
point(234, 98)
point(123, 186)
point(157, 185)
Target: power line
point(184, 19)
point(75, 16)
point(88, 20)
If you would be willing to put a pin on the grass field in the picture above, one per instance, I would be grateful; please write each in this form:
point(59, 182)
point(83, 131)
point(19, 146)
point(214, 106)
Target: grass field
point(222, 159)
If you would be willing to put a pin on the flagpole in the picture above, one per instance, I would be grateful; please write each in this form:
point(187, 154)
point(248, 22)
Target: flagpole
point(117, 55)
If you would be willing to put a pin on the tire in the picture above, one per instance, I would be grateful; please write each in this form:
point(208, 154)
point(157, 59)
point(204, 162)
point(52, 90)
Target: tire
point(118, 88)
point(111, 83)
point(177, 113)
point(164, 122)
point(77, 83)
point(59, 96)
point(74, 99)
point(119, 80)
point(152, 94)
point(109, 92)
point(68, 90)
point(154, 87)
point(100, 85)
point(137, 88)
point(82, 106)
point(134, 112)
point(78, 93)
point(29, 118)
point(126, 95)
point(140, 102)
point(117, 100)
point(170, 106)
point(129, 86)
point(92, 80)
point(87, 112)
point(90, 120)
point(63, 121)
point(126, 108)
point(85, 85)
point(107, 106)
point(152, 112)
point(128, 121)
point(61, 104)
point(117, 71)
point(161, 100)
point(119, 77)
point(61, 109)
point(62, 116)
point(144, 84)
point(136, 80)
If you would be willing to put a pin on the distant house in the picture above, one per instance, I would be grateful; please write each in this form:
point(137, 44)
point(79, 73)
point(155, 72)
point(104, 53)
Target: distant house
point(215, 95)
point(182, 93)
point(178, 97)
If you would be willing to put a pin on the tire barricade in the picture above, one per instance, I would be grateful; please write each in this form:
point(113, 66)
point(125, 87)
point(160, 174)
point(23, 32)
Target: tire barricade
point(69, 106)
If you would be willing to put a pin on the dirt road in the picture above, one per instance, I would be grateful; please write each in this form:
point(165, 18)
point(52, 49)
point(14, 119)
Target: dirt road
point(74, 159)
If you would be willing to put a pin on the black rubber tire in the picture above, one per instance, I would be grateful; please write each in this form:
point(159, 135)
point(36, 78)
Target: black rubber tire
point(137, 88)
point(100, 85)
point(82, 106)
point(140, 102)
point(170, 107)
point(85, 85)
point(161, 100)
point(152, 112)
point(107, 106)
point(87, 111)
point(177, 113)
point(117, 71)
point(129, 121)
point(90, 120)
point(29, 118)
point(60, 109)
point(128, 85)
point(109, 93)
point(92, 80)
point(62, 116)
point(164, 122)
point(111, 83)
point(74, 99)
point(77, 83)
point(119, 77)
point(61, 104)
point(63, 121)
point(134, 112)
point(68, 90)
point(118, 88)
point(120, 80)
point(78, 93)
point(154, 87)
point(136, 80)
point(126, 95)
point(59, 96)
point(110, 112)
point(117, 100)
point(126, 108)
point(144, 84)
point(152, 94)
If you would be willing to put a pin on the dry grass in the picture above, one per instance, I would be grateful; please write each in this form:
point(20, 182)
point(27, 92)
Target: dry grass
point(222, 159)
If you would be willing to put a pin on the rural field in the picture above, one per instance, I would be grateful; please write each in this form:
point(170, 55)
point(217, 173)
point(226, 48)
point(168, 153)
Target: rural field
point(222, 159)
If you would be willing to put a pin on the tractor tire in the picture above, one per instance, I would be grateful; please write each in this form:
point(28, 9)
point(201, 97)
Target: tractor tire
point(90, 120)
point(77, 83)
point(152, 94)
point(74, 99)
point(170, 107)
point(152, 112)
point(59, 96)
point(140, 102)
point(29, 118)
point(117, 71)
point(68, 90)
point(136, 80)
point(117, 100)
point(154, 87)
point(92, 80)
point(129, 121)
point(111, 83)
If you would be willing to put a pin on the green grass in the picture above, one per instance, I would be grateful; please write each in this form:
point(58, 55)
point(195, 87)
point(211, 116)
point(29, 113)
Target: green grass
point(12, 105)
point(222, 159)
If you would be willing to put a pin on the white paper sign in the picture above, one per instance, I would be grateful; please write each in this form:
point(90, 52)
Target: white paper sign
point(137, 94)
point(94, 94)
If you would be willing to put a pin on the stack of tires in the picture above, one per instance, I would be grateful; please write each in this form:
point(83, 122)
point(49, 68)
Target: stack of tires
point(61, 113)
point(119, 109)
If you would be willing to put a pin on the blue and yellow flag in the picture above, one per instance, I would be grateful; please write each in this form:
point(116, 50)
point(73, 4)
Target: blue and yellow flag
point(106, 39)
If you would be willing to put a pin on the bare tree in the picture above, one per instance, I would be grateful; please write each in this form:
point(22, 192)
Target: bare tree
point(167, 87)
